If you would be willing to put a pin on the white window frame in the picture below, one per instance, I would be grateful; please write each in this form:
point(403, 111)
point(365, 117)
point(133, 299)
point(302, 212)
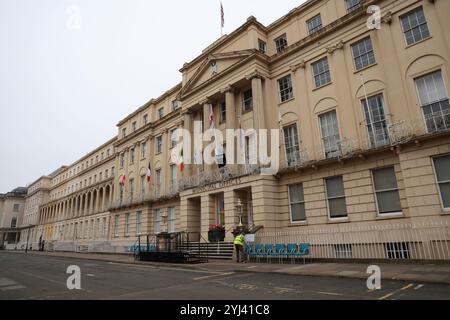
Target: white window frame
point(159, 144)
point(406, 16)
point(445, 209)
point(366, 53)
point(294, 147)
point(171, 223)
point(300, 202)
point(311, 20)
point(319, 116)
point(138, 223)
point(375, 192)
point(157, 221)
point(116, 225)
point(326, 72)
point(277, 39)
point(127, 224)
point(288, 91)
point(328, 200)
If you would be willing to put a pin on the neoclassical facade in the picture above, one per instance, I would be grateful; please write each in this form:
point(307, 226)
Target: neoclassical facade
point(363, 121)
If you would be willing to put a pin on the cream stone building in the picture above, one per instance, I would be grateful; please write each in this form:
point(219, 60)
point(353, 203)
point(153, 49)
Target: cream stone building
point(363, 117)
point(11, 216)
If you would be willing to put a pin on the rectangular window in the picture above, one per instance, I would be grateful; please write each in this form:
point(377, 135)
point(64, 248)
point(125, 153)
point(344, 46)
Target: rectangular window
point(104, 227)
point(285, 88)
point(352, 5)
point(173, 138)
point(158, 183)
point(16, 207)
point(291, 145)
point(122, 160)
point(321, 72)
point(143, 150)
point(330, 134)
point(297, 203)
point(281, 43)
point(397, 250)
point(314, 24)
point(14, 222)
point(127, 225)
point(133, 125)
point(414, 26)
point(145, 119)
point(386, 190)
point(375, 121)
point(138, 223)
point(175, 105)
point(112, 172)
point(157, 221)
point(158, 144)
point(433, 98)
point(131, 188)
point(248, 100)
point(132, 156)
point(116, 225)
point(337, 207)
point(161, 112)
point(143, 182)
point(171, 220)
point(173, 173)
point(442, 171)
point(124, 132)
point(106, 174)
point(262, 46)
point(222, 112)
point(363, 55)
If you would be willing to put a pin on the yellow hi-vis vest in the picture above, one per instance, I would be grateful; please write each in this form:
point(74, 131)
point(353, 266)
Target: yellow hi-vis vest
point(239, 240)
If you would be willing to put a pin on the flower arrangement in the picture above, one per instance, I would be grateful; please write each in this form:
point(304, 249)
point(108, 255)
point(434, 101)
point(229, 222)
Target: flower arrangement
point(216, 227)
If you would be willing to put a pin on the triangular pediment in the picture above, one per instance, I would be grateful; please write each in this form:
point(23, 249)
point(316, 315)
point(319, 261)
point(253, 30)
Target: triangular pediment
point(213, 65)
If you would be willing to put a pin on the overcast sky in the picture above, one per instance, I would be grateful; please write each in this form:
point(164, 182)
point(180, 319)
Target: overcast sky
point(63, 89)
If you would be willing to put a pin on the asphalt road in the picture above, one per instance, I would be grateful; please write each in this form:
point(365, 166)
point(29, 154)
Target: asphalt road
point(43, 277)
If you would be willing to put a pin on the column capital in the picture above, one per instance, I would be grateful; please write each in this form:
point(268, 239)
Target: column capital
point(205, 101)
point(338, 46)
point(229, 89)
point(255, 75)
point(387, 18)
point(300, 65)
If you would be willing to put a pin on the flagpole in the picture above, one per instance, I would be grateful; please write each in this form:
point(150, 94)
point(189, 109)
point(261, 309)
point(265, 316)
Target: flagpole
point(221, 18)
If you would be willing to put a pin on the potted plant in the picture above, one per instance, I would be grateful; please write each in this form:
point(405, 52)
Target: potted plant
point(216, 233)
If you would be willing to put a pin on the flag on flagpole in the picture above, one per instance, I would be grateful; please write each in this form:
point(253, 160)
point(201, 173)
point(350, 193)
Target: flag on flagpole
point(222, 15)
point(149, 173)
point(122, 180)
point(182, 161)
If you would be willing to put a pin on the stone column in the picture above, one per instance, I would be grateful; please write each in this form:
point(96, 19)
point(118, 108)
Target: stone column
point(231, 219)
point(187, 125)
point(207, 217)
point(230, 107)
point(258, 100)
point(207, 105)
point(165, 181)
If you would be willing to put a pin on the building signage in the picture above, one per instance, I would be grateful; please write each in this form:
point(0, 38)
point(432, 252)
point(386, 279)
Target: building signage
point(218, 185)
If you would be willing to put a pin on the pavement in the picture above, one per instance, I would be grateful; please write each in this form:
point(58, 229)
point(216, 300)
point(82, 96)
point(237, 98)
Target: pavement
point(424, 273)
point(43, 276)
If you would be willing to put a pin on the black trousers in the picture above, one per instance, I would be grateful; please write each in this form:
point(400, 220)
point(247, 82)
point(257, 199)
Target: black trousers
point(239, 252)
